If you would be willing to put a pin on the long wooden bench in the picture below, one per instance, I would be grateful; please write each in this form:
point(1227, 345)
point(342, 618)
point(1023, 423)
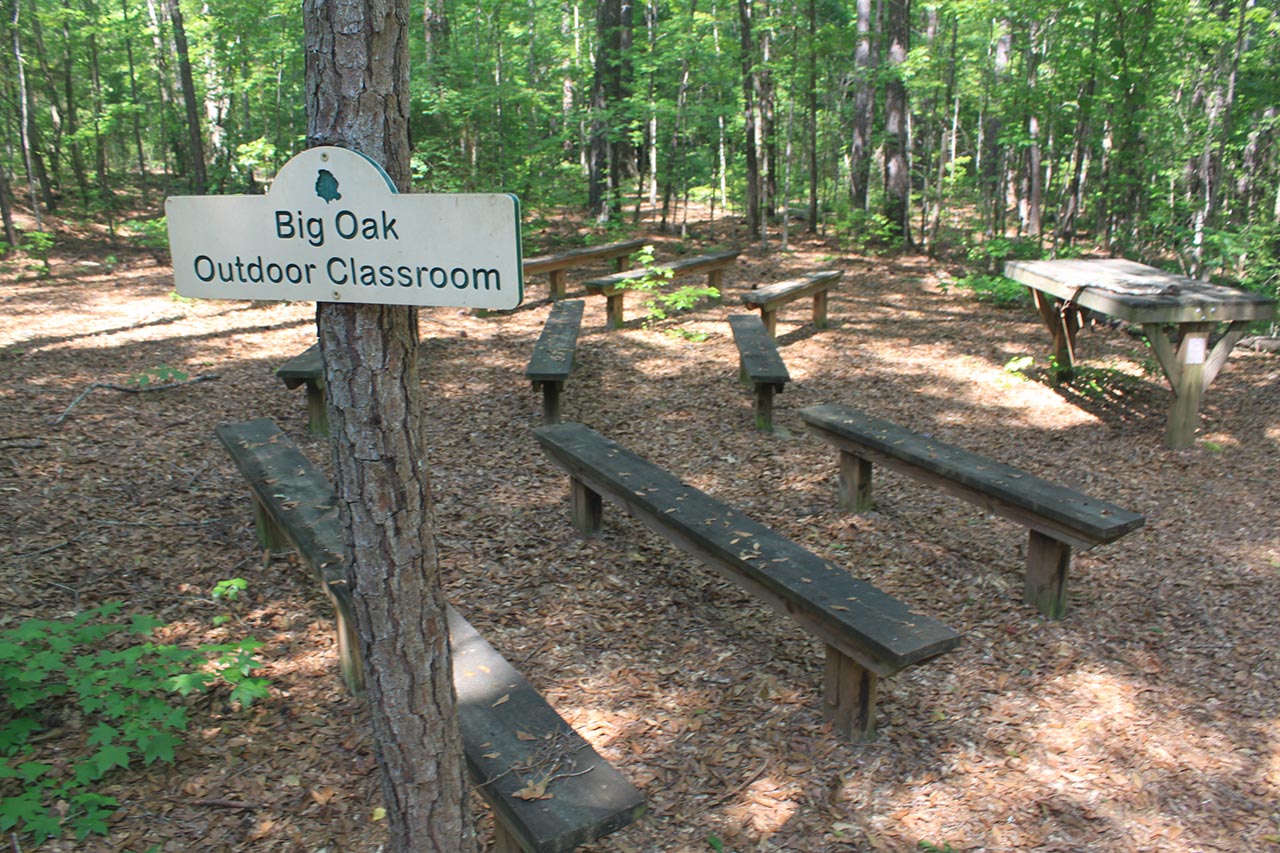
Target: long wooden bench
point(760, 364)
point(549, 789)
point(867, 633)
point(558, 265)
point(1057, 517)
point(771, 297)
point(553, 355)
point(614, 287)
point(307, 368)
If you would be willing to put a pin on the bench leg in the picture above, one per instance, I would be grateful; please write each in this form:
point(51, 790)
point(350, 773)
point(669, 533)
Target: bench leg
point(770, 319)
point(550, 402)
point(850, 697)
point(504, 841)
point(820, 309)
point(1046, 581)
point(613, 310)
point(270, 536)
point(764, 406)
point(558, 278)
point(715, 278)
point(349, 661)
point(317, 412)
point(855, 482)
point(586, 508)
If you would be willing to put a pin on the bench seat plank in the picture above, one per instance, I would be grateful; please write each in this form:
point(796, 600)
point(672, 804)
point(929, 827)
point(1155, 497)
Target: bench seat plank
point(515, 742)
point(771, 297)
point(760, 363)
point(511, 737)
point(851, 616)
point(1057, 517)
point(556, 264)
point(553, 355)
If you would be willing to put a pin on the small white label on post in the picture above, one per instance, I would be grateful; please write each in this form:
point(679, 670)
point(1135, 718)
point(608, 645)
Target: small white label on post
point(1195, 348)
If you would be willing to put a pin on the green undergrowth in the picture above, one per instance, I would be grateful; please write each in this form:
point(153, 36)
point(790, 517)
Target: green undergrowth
point(109, 698)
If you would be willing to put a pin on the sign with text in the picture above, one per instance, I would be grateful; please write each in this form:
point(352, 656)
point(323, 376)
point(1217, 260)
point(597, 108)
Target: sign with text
point(333, 229)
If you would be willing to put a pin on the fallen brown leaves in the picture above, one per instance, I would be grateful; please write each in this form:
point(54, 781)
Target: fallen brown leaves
point(1144, 720)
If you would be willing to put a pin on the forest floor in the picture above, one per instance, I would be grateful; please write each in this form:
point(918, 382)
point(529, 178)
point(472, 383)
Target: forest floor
point(1147, 719)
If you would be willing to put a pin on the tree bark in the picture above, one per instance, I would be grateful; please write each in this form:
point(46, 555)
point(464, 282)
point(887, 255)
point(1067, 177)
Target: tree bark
point(897, 180)
point(864, 103)
point(195, 142)
point(357, 85)
point(750, 109)
point(610, 87)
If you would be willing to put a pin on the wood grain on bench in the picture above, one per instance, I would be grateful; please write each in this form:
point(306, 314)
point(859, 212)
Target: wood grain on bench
point(549, 789)
point(867, 633)
point(1057, 517)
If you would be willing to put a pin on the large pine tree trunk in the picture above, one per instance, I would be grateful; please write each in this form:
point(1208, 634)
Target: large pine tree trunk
point(357, 82)
point(610, 153)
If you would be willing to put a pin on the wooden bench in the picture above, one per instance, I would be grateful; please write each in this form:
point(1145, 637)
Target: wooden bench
point(553, 356)
point(771, 297)
point(1058, 518)
point(516, 748)
point(867, 633)
point(559, 264)
point(308, 368)
point(615, 286)
point(760, 364)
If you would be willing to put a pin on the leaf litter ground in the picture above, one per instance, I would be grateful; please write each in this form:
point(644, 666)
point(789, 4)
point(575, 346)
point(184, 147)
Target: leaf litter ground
point(1147, 719)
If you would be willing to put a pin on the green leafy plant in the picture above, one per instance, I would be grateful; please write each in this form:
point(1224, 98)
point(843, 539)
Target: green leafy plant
point(661, 302)
point(90, 671)
point(158, 375)
point(228, 590)
point(996, 290)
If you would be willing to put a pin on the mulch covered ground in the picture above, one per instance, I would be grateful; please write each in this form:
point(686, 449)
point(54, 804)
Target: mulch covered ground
point(1147, 719)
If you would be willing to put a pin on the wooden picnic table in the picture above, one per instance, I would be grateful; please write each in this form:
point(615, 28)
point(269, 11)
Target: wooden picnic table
point(1177, 314)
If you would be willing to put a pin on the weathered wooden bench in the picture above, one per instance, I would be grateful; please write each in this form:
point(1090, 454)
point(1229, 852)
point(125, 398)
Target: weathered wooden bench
point(614, 287)
point(553, 355)
point(867, 633)
point(1057, 517)
point(760, 364)
point(308, 368)
point(771, 297)
point(558, 265)
point(517, 747)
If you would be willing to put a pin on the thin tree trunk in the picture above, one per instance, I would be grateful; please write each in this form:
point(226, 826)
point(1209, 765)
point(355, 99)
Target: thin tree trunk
point(864, 102)
point(357, 84)
point(897, 180)
point(751, 115)
point(133, 97)
point(24, 113)
point(811, 110)
point(195, 142)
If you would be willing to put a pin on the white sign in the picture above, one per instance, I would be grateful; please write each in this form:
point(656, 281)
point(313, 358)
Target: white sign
point(334, 229)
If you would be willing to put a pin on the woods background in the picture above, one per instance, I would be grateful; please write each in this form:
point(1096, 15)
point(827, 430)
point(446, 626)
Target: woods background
point(1146, 129)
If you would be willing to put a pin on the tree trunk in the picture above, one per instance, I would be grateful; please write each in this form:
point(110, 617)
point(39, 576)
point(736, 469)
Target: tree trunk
point(610, 87)
point(750, 110)
point(24, 113)
point(897, 180)
point(133, 98)
point(195, 142)
point(864, 103)
point(357, 85)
